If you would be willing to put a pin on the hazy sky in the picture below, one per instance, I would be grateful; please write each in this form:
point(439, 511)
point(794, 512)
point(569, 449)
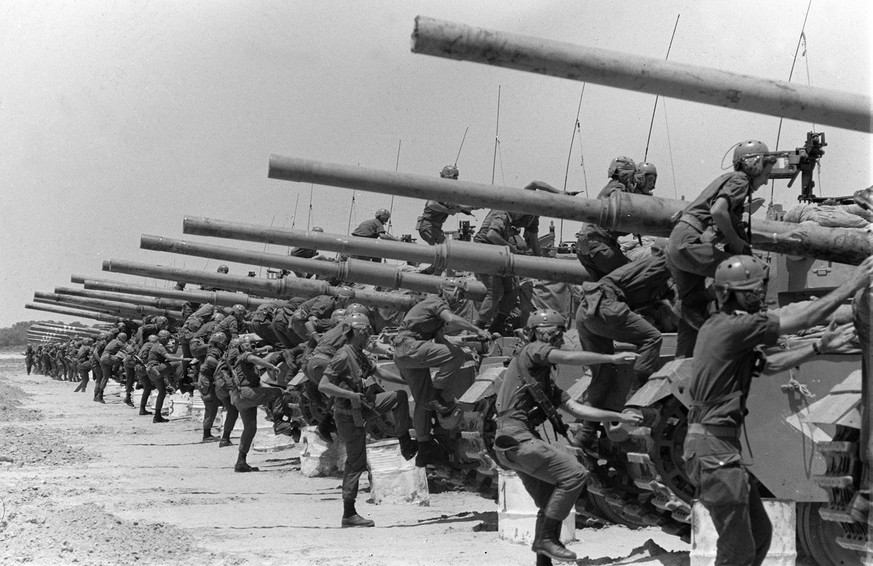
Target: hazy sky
point(119, 118)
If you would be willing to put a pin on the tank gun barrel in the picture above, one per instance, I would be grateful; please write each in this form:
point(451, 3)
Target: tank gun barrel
point(795, 101)
point(217, 298)
point(466, 256)
point(59, 329)
point(58, 332)
point(155, 302)
point(358, 271)
point(624, 212)
point(115, 307)
point(74, 312)
point(87, 329)
point(277, 288)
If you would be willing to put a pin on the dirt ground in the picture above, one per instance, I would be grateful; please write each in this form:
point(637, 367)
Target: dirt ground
point(84, 483)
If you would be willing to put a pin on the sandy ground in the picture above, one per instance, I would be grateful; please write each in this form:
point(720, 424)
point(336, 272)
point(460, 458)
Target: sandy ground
point(98, 484)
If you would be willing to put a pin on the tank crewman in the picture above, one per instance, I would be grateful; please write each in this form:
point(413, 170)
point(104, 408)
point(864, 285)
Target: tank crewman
point(188, 308)
point(142, 373)
point(645, 178)
point(283, 313)
point(162, 372)
point(233, 324)
point(109, 360)
point(83, 357)
point(608, 312)
point(96, 353)
point(528, 397)
point(28, 357)
point(374, 228)
point(224, 270)
point(500, 228)
point(313, 316)
point(597, 248)
point(206, 382)
point(129, 366)
point(726, 358)
point(430, 223)
point(223, 382)
point(344, 380)
point(306, 253)
point(420, 344)
point(191, 325)
point(714, 220)
point(247, 393)
point(198, 343)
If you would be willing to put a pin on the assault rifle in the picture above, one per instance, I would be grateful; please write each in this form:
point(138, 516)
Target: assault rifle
point(545, 404)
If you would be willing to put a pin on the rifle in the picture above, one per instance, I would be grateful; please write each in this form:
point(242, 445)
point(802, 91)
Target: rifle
point(545, 405)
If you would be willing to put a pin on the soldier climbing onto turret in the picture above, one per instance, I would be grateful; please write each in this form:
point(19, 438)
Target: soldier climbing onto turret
point(306, 253)
point(528, 397)
point(726, 358)
point(430, 223)
point(710, 230)
point(374, 228)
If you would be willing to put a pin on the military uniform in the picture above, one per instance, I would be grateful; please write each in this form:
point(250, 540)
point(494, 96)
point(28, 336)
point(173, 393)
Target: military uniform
point(430, 223)
point(83, 358)
point(597, 248)
point(372, 228)
point(246, 394)
point(320, 307)
point(28, 358)
point(725, 360)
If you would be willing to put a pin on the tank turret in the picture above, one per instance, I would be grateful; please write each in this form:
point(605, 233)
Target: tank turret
point(624, 212)
point(276, 288)
point(454, 254)
point(351, 270)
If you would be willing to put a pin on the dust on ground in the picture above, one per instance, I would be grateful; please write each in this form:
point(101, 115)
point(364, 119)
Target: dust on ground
point(92, 484)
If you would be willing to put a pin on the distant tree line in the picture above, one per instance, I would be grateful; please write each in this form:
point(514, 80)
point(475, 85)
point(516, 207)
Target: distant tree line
point(16, 335)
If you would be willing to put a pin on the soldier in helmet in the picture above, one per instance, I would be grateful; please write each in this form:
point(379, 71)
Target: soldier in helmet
point(552, 476)
point(83, 359)
point(710, 230)
point(306, 253)
point(222, 269)
point(162, 372)
point(645, 178)
point(110, 359)
point(726, 357)
point(344, 380)
point(28, 357)
point(597, 248)
point(374, 228)
point(430, 223)
point(206, 382)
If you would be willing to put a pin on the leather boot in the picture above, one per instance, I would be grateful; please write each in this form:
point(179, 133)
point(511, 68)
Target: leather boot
point(128, 401)
point(241, 465)
point(408, 447)
point(207, 436)
point(549, 542)
point(159, 419)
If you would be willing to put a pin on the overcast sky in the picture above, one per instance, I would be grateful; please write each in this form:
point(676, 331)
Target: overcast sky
point(119, 118)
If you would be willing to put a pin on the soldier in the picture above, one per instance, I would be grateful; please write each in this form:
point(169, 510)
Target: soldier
point(713, 220)
point(597, 248)
point(129, 366)
point(420, 344)
point(199, 339)
point(607, 313)
point(645, 178)
point(84, 362)
point(344, 379)
point(206, 382)
point(552, 476)
point(162, 372)
point(28, 357)
point(313, 316)
point(726, 358)
point(430, 223)
point(500, 228)
point(109, 360)
point(192, 324)
point(233, 324)
point(224, 270)
point(374, 228)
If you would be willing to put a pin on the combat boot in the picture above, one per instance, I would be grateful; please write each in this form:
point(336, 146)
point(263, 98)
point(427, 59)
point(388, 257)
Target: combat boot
point(224, 442)
point(241, 465)
point(144, 412)
point(549, 542)
point(128, 401)
point(408, 447)
point(207, 436)
point(160, 419)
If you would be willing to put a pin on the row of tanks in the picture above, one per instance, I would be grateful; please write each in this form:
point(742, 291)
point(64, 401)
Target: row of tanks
point(804, 426)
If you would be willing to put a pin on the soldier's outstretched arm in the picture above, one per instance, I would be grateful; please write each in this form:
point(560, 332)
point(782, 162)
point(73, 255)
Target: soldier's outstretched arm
point(583, 358)
point(588, 413)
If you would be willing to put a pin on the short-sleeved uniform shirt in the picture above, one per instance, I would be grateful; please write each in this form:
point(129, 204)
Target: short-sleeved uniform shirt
point(369, 228)
point(423, 321)
point(207, 368)
point(157, 354)
point(331, 341)
point(724, 357)
point(115, 345)
point(735, 187)
point(348, 369)
point(246, 372)
point(516, 403)
point(613, 186)
point(321, 306)
point(500, 222)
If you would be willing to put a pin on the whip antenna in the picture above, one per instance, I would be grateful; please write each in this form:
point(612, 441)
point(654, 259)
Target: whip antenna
point(655, 106)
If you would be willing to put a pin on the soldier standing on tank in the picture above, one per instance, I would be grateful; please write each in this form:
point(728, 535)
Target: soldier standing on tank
point(552, 476)
point(597, 248)
point(726, 358)
point(607, 312)
point(374, 228)
point(420, 344)
point(344, 380)
point(710, 230)
point(430, 223)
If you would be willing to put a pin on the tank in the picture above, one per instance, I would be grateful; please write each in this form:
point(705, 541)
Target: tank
point(276, 288)
point(75, 312)
point(453, 254)
point(623, 212)
point(351, 270)
point(158, 303)
point(114, 307)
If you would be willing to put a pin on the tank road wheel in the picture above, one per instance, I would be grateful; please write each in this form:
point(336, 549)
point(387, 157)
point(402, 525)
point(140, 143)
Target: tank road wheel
point(817, 538)
point(668, 437)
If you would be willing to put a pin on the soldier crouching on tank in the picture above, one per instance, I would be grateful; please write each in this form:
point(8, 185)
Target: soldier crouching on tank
point(528, 397)
point(726, 358)
point(344, 379)
point(420, 344)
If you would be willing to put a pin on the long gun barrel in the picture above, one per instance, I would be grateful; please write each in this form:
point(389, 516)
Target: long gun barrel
point(624, 212)
point(57, 330)
point(123, 309)
point(468, 256)
point(75, 312)
point(155, 302)
point(86, 329)
point(357, 271)
point(218, 298)
point(278, 288)
point(642, 74)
